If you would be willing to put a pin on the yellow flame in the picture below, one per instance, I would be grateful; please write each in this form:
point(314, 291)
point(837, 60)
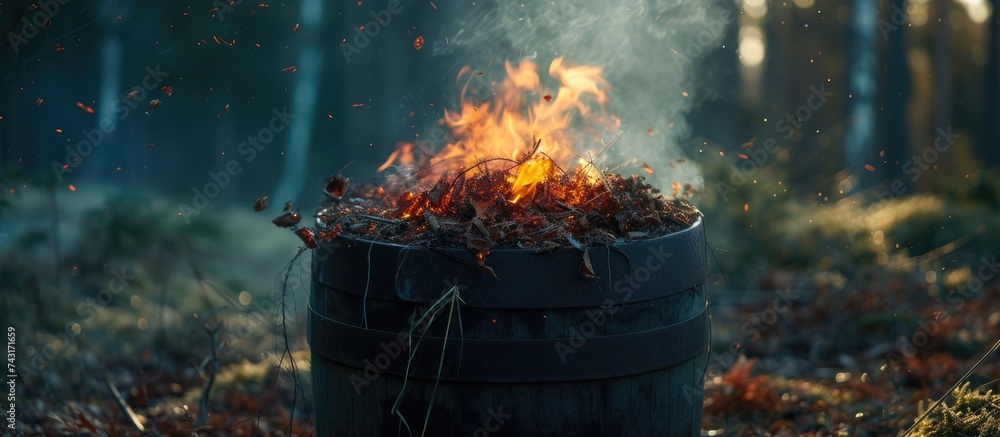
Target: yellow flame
point(522, 111)
point(528, 177)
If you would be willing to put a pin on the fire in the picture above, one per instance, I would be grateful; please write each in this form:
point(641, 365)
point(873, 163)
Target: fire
point(524, 124)
point(528, 177)
point(515, 173)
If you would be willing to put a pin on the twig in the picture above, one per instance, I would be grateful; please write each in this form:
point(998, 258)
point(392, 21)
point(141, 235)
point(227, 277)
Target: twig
point(554, 164)
point(378, 219)
point(199, 279)
point(426, 320)
point(214, 361)
point(286, 352)
point(479, 163)
point(125, 408)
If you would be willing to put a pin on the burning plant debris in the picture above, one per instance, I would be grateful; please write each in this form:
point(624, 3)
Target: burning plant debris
point(493, 188)
point(484, 209)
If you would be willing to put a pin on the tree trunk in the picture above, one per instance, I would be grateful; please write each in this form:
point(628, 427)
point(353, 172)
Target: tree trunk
point(108, 92)
point(861, 87)
point(896, 138)
point(989, 138)
point(941, 76)
point(307, 87)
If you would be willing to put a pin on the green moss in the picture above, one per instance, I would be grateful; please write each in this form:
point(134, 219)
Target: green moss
point(971, 413)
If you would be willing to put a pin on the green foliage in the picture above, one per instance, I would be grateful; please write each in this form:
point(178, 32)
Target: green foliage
point(742, 212)
point(971, 413)
point(136, 229)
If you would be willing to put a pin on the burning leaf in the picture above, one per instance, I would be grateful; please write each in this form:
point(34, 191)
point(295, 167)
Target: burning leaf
point(296, 28)
point(336, 186)
point(307, 236)
point(647, 168)
point(870, 168)
point(547, 97)
point(167, 90)
point(153, 104)
point(71, 188)
point(749, 144)
point(478, 225)
point(260, 204)
point(418, 43)
point(287, 220)
point(80, 105)
point(746, 207)
point(432, 221)
point(743, 156)
point(650, 132)
point(586, 269)
point(223, 111)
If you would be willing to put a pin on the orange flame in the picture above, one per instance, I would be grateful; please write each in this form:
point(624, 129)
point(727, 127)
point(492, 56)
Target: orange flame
point(521, 112)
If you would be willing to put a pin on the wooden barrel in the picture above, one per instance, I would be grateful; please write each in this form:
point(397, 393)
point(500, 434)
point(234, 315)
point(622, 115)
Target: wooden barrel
point(538, 350)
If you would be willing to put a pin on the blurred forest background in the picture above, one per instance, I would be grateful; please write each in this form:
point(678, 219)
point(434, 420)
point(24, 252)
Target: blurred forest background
point(849, 149)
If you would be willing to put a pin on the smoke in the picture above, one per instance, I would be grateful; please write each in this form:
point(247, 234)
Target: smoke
point(647, 49)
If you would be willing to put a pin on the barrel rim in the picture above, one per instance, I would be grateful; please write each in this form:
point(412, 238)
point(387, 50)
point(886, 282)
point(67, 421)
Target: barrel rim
point(699, 222)
point(517, 278)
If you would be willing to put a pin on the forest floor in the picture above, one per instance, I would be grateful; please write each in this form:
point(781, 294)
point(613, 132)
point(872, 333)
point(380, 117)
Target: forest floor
point(813, 352)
